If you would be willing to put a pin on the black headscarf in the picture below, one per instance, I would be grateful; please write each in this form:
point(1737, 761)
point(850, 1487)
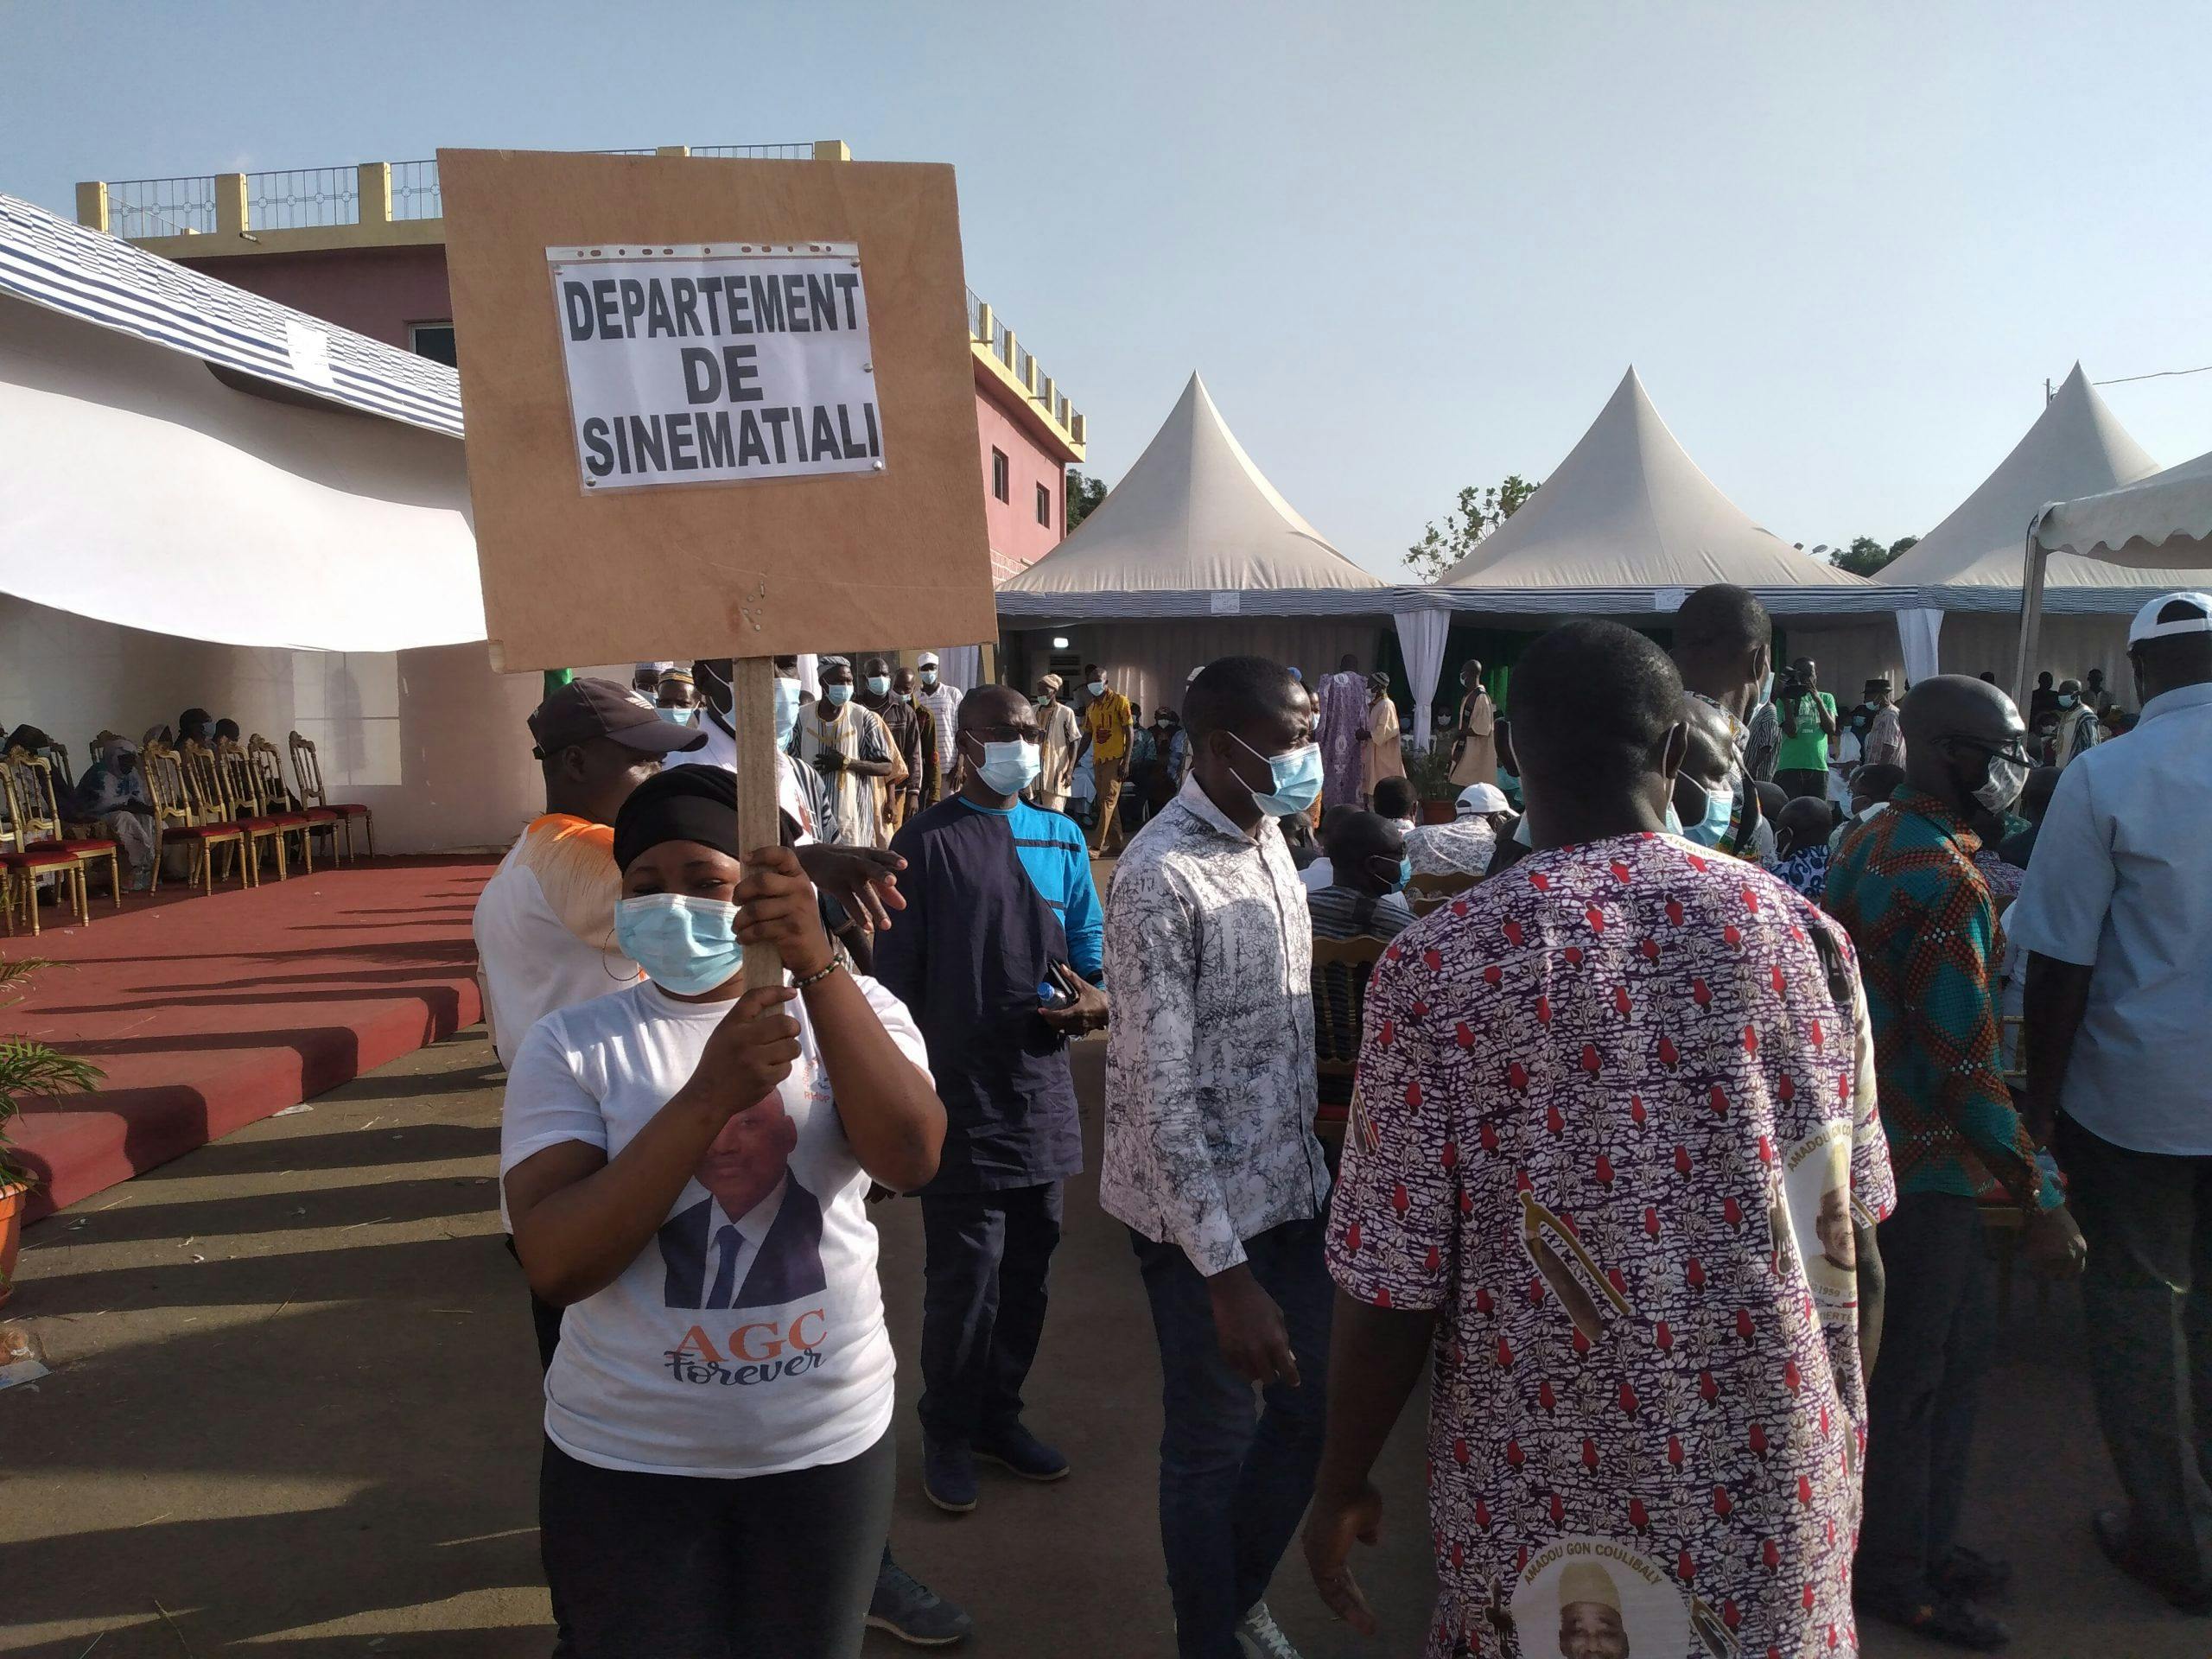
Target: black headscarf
point(680, 803)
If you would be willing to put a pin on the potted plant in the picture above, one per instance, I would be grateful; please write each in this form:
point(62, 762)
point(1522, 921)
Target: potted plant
point(1429, 771)
point(27, 1068)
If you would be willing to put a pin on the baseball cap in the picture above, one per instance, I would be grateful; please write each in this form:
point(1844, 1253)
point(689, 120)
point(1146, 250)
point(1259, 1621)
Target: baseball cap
point(2194, 616)
point(927, 659)
point(1482, 798)
point(584, 710)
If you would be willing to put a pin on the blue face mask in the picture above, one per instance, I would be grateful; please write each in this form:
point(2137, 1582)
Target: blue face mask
point(1405, 873)
point(835, 695)
point(2065, 702)
point(1766, 688)
point(1009, 768)
point(685, 945)
point(786, 712)
point(1713, 828)
point(878, 684)
point(1296, 774)
point(678, 716)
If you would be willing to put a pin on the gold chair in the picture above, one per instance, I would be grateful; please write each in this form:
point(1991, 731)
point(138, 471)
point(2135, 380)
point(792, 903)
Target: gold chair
point(35, 856)
point(324, 816)
point(1425, 892)
point(241, 799)
point(265, 770)
point(178, 817)
point(41, 824)
point(1341, 970)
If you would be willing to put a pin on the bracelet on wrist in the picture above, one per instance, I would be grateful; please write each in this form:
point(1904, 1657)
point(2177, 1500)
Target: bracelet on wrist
point(838, 959)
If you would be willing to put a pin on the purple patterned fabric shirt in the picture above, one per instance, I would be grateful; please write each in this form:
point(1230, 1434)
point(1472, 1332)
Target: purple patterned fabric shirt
point(1615, 1117)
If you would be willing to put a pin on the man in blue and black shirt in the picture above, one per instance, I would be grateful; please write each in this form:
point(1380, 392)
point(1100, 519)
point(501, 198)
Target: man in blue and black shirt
point(997, 954)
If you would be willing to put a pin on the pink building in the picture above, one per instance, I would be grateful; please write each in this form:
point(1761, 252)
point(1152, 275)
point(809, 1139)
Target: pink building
point(365, 247)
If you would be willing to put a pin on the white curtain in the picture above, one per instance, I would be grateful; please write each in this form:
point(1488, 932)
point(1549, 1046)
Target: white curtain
point(1422, 635)
point(1918, 631)
point(959, 666)
point(810, 673)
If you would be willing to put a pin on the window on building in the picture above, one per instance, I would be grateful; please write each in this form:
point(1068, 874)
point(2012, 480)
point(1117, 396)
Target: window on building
point(1043, 506)
point(433, 341)
point(1002, 481)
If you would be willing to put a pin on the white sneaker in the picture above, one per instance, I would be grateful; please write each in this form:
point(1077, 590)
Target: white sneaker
point(1258, 1635)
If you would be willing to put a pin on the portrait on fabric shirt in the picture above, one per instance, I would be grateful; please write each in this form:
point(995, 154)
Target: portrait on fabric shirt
point(755, 1240)
point(1595, 1599)
point(1816, 1196)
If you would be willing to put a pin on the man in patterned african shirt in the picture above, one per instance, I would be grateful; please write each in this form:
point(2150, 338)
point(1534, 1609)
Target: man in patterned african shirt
point(1906, 885)
point(1611, 1174)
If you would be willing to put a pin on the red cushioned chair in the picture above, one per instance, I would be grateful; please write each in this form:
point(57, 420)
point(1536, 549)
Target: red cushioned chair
point(324, 815)
point(235, 785)
point(272, 801)
point(179, 816)
point(34, 854)
point(32, 775)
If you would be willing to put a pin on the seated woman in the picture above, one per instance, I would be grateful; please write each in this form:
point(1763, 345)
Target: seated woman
point(684, 1164)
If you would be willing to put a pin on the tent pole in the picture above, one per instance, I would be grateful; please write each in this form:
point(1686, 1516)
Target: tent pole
point(2031, 613)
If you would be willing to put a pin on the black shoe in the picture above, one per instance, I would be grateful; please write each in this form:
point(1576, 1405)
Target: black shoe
point(1946, 1618)
point(949, 1475)
point(2119, 1547)
point(1964, 1571)
point(913, 1612)
point(1014, 1447)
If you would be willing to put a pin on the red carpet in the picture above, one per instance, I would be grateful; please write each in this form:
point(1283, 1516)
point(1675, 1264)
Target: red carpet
point(207, 1014)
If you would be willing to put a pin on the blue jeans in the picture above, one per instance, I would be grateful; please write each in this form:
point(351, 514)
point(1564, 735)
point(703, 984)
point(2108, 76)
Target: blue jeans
point(1234, 1478)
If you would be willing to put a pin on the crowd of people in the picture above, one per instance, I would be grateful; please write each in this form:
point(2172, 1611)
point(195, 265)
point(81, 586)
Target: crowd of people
point(1680, 1118)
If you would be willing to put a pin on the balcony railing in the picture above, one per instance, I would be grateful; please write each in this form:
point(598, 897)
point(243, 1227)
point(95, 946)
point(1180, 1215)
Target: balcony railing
point(986, 328)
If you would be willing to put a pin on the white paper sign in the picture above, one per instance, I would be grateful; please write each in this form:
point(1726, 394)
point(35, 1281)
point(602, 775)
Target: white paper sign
point(704, 365)
point(1229, 603)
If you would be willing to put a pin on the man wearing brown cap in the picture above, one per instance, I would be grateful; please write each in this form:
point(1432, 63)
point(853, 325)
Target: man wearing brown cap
point(1058, 735)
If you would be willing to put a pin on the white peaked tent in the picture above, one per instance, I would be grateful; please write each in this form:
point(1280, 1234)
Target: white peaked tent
point(1627, 515)
point(1627, 524)
point(1195, 554)
point(1968, 570)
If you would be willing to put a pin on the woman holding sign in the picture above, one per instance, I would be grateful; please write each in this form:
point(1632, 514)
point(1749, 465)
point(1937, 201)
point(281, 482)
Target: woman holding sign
point(685, 1164)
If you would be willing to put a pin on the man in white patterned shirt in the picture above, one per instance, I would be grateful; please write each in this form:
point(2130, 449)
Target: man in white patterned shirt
point(1209, 1153)
point(943, 702)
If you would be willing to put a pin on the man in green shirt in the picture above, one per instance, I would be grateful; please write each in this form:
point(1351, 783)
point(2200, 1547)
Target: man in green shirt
point(1808, 716)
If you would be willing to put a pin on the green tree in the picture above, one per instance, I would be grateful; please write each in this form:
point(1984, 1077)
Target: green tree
point(1084, 496)
point(1479, 514)
point(1866, 556)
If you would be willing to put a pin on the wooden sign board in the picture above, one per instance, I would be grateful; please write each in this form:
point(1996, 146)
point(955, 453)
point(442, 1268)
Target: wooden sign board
point(715, 408)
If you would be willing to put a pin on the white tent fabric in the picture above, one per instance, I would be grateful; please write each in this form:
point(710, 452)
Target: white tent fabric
point(2155, 523)
point(1193, 514)
point(1421, 637)
point(141, 490)
point(1920, 631)
point(960, 665)
point(1628, 509)
point(1975, 559)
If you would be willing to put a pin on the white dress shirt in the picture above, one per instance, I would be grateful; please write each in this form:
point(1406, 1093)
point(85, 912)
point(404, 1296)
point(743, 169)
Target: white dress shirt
point(2121, 878)
point(1210, 1089)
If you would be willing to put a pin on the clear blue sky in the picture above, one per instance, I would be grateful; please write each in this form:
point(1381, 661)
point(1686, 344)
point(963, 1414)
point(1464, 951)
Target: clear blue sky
point(1411, 247)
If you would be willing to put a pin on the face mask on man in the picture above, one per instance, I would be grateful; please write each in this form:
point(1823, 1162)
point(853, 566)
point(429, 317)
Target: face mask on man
point(787, 711)
point(835, 694)
point(678, 716)
point(878, 684)
point(1711, 828)
point(685, 945)
point(928, 679)
point(1009, 768)
point(2005, 779)
point(904, 696)
point(1396, 881)
point(1296, 776)
point(1766, 688)
point(2065, 700)
point(1097, 688)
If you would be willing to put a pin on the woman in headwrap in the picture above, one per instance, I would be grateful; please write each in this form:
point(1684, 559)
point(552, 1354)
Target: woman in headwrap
point(684, 1163)
point(1384, 756)
point(112, 795)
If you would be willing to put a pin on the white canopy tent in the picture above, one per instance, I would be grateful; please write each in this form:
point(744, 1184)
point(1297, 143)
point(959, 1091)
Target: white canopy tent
point(1968, 571)
point(2137, 531)
point(1195, 554)
point(1627, 524)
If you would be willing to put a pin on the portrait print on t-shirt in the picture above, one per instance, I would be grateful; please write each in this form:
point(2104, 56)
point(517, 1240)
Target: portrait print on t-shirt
point(755, 1240)
point(1596, 1598)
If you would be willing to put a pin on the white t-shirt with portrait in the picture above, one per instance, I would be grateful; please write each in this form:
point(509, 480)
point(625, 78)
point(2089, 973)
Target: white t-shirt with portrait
point(747, 1338)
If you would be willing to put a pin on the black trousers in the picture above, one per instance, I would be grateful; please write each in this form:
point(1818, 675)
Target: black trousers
point(985, 1258)
point(2147, 1298)
point(1808, 780)
point(1938, 1315)
point(677, 1566)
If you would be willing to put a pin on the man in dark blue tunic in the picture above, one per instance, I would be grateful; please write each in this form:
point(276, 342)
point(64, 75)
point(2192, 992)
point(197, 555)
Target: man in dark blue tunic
point(997, 954)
